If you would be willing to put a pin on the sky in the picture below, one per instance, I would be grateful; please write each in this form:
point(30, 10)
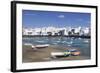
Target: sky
point(38, 19)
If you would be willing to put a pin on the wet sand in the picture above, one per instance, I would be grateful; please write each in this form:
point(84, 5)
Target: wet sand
point(44, 54)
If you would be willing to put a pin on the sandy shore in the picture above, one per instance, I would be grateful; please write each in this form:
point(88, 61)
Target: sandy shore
point(44, 54)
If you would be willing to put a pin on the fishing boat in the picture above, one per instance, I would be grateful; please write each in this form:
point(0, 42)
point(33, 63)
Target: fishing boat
point(68, 52)
point(39, 46)
point(60, 54)
point(74, 52)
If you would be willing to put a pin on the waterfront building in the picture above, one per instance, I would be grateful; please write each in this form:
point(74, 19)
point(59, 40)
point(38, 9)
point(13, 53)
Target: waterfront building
point(53, 31)
point(86, 31)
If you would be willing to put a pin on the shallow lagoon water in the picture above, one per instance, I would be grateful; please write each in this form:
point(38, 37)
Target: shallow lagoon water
point(83, 44)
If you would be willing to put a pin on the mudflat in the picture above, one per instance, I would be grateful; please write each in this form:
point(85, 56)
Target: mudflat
point(44, 54)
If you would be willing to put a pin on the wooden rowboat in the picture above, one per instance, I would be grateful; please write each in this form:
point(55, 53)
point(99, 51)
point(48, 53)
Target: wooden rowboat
point(60, 54)
point(39, 46)
point(75, 52)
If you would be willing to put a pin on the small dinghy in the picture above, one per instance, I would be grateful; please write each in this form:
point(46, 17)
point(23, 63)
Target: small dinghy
point(74, 52)
point(39, 46)
point(60, 54)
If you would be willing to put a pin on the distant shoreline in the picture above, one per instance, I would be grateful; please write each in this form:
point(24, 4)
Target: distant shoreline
point(73, 36)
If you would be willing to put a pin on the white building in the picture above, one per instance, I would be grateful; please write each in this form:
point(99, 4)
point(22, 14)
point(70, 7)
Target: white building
point(86, 31)
point(56, 31)
point(28, 31)
point(78, 30)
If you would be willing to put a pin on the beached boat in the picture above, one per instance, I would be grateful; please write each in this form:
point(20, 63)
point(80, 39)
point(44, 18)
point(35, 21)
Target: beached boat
point(69, 52)
point(74, 52)
point(39, 46)
point(60, 54)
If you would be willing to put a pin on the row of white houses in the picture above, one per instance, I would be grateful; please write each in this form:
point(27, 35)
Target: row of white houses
point(56, 31)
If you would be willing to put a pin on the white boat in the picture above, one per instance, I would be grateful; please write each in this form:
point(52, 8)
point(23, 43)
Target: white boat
point(39, 46)
point(69, 52)
point(60, 54)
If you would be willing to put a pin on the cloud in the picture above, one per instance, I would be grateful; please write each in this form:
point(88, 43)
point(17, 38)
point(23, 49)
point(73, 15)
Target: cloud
point(61, 16)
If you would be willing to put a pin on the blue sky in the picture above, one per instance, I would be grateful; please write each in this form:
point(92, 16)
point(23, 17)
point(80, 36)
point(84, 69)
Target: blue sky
point(33, 19)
